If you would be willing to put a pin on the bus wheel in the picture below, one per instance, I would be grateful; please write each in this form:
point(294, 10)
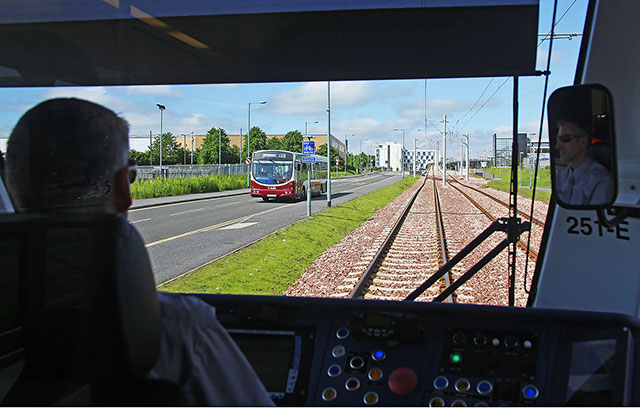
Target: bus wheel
point(304, 194)
point(265, 198)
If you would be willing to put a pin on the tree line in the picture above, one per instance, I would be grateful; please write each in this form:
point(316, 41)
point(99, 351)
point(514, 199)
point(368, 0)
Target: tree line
point(217, 143)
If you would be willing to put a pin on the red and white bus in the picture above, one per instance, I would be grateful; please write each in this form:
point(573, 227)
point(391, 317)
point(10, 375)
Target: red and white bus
point(278, 173)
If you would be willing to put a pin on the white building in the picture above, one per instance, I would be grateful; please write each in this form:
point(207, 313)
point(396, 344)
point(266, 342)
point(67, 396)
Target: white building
point(423, 157)
point(389, 156)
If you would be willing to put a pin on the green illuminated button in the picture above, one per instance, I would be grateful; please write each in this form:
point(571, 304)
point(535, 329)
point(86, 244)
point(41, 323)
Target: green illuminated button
point(455, 358)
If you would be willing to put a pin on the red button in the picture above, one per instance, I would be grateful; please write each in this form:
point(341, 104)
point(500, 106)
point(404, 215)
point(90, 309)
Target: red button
point(403, 380)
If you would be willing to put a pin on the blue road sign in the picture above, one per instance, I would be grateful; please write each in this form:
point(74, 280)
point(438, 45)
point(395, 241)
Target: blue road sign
point(308, 147)
point(308, 159)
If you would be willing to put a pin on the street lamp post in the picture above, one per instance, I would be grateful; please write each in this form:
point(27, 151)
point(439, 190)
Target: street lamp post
point(162, 108)
point(467, 157)
point(402, 152)
point(305, 126)
point(249, 139)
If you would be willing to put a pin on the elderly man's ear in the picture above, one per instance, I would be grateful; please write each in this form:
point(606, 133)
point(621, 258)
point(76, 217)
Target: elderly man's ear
point(122, 195)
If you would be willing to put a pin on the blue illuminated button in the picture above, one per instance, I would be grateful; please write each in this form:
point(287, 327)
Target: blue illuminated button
point(530, 392)
point(440, 383)
point(334, 370)
point(484, 387)
point(329, 394)
point(378, 355)
point(342, 333)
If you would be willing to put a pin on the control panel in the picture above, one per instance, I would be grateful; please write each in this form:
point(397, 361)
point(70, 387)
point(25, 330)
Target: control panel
point(337, 352)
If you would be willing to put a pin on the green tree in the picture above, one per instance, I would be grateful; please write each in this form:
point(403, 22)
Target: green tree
point(172, 153)
point(142, 158)
point(258, 141)
point(292, 141)
point(335, 154)
point(274, 144)
point(208, 152)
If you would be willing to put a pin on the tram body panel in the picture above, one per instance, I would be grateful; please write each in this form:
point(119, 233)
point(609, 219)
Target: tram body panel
point(587, 266)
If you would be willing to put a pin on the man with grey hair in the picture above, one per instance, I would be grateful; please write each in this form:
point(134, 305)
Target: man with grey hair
point(584, 180)
point(72, 155)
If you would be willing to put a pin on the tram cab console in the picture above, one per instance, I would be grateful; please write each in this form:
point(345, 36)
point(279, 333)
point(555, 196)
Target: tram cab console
point(340, 352)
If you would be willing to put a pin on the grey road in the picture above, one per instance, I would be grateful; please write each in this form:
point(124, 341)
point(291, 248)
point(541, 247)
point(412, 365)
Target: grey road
point(182, 235)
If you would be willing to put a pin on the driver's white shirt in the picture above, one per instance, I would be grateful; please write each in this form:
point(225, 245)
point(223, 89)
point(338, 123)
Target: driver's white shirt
point(589, 183)
point(198, 354)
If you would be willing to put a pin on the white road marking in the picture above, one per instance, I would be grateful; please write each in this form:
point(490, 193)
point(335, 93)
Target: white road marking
point(239, 225)
point(186, 212)
point(216, 226)
point(224, 205)
point(144, 219)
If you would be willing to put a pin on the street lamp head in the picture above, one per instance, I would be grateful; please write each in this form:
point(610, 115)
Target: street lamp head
point(161, 107)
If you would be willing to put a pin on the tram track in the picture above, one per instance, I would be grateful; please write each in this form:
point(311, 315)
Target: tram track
point(536, 223)
point(393, 272)
point(342, 268)
point(412, 251)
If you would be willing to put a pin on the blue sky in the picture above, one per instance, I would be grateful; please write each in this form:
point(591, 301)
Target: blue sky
point(366, 111)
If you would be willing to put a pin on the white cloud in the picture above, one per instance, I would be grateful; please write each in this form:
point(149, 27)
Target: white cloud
point(311, 97)
point(194, 120)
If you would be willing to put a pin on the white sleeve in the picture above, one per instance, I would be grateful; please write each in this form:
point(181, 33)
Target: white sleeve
point(199, 355)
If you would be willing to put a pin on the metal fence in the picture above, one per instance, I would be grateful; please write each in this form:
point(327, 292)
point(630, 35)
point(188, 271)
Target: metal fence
point(195, 170)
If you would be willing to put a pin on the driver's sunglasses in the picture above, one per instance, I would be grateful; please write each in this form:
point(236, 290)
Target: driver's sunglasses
point(133, 171)
point(567, 137)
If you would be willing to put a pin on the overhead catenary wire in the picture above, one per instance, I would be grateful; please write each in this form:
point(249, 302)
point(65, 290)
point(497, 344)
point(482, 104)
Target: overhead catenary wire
point(550, 35)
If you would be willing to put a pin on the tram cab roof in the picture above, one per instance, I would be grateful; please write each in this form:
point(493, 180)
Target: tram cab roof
point(144, 42)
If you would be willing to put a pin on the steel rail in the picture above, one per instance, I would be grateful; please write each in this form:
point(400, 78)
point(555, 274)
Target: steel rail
point(443, 243)
point(499, 201)
point(360, 288)
point(522, 245)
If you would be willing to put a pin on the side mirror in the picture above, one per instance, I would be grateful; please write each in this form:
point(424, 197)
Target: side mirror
point(582, 147)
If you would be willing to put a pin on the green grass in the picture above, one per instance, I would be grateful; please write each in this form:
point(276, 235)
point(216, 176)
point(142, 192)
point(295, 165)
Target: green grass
point(504, 173)
point(525, 176)
point(522, 191)
point(271, 265)
point(192, 185)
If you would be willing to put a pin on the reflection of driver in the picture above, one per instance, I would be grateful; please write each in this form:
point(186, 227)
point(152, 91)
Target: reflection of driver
point(583, 181)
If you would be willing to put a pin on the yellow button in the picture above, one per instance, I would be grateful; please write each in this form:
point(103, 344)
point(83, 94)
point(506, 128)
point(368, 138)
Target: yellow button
point(371, 398)
point(329, 394)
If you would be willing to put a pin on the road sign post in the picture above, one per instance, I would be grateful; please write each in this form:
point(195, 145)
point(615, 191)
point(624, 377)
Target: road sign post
point(309, 147)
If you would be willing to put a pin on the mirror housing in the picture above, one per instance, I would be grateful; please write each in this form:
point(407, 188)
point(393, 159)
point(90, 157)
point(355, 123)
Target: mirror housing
point(582, 147)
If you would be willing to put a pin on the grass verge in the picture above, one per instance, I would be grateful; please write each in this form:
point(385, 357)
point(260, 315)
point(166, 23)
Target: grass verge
point(271, 265)
point(526, 192)
point(191, 185)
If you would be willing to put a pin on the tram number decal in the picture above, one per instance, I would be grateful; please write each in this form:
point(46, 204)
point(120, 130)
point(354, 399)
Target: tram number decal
point(587, 226)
